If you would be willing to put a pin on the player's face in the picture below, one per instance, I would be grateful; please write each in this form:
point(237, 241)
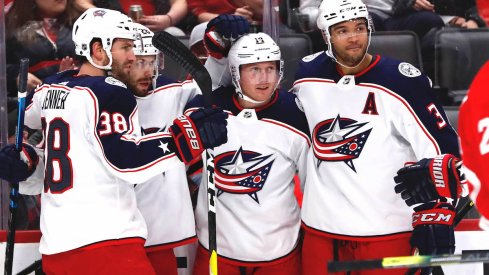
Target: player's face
point(350, 40)
point(122, 58)
point(141, 74)
point(258, 80)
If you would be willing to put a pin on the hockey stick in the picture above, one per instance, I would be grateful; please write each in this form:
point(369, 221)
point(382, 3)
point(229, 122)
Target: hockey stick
point(414, 262)
point(14, 192)
point(411, 261)
point(176, 50)
point(34, 267)
point(437, 270)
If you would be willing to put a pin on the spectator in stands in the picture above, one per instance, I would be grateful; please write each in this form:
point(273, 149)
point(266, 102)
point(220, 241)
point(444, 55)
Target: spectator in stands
point(205, 10)
point(41, 33)
point(459, 13)
point(157, 15)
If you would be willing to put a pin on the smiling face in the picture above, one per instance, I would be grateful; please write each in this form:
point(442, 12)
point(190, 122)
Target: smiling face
point(350, 41)
point(141, 74)
point(259, 80)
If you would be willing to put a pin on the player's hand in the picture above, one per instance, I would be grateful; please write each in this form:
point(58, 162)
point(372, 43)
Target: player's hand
point(32, 81)
point(433, 230)
point(202, 129)
point(222, 31)
point(17, 166)
point(429, 179)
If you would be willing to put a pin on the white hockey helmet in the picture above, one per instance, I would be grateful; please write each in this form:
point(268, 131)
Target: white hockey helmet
point(104, 24)
point(337, 11)
point(253, 48)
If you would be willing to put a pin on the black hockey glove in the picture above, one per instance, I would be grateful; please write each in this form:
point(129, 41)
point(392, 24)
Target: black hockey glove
point(17, 166)
point(223, 30)
point(433, 230)
point(203, 129)
point(429, 179)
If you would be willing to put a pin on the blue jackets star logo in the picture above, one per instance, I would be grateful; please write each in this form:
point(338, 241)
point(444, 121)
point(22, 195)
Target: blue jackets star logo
point(242, 172)
point(338, 139)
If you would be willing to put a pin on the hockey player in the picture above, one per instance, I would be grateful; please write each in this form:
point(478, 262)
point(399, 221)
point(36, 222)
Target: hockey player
point(258, 217)
point(166, 196)
point(94, 154)
point(368, 116)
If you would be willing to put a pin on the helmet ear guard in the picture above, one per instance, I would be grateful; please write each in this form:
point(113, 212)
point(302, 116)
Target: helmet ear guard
point(249, 49)
point(105, 25)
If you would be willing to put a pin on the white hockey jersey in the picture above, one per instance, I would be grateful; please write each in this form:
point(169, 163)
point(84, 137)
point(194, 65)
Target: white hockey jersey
point(166, 197)
point(364, 128)
point(94, 153)
point(258, 218)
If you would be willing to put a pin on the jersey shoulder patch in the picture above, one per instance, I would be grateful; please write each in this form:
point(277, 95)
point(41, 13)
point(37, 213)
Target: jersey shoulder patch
point(311, 57)
point(408, 70)
point(112, 81)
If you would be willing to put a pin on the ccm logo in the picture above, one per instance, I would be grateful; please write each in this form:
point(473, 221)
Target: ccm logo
point(431, 217)
point(190, 132)
point(438, 171)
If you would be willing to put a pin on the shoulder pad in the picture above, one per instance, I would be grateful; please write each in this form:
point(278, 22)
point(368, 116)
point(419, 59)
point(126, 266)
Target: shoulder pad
point(112, 81)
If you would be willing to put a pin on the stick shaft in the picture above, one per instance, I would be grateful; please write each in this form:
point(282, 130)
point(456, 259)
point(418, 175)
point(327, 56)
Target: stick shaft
point(14, 192)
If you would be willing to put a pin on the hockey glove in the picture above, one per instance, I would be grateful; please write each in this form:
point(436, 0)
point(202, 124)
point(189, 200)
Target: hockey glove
point(202, 129)
point(17, 166)
point(223, 30)
point(433, 230)
point(429, 179)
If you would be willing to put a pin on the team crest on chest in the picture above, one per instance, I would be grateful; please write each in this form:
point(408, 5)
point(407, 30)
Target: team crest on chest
point(242, 172)
point(339, 139)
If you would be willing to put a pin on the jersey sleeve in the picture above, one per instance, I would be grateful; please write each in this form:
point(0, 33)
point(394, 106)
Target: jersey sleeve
point(219, 72)
point(422, 121)
point(474, 141)
point(121, 147)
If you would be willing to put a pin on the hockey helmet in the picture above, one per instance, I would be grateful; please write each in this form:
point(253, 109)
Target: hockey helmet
point(104, 24)
point(334, 12)
point(253, 48)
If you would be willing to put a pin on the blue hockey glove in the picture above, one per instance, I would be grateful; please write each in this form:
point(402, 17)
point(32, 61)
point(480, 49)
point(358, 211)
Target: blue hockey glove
point(433, 230)
point(17, 166)
point(202, 129)
point(429, 179)
point(223, 30)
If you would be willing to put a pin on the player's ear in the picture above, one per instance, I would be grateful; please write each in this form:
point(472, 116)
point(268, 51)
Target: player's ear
point(98, 52)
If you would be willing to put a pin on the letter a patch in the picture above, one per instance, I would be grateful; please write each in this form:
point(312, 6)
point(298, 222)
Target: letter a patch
point(370, 106)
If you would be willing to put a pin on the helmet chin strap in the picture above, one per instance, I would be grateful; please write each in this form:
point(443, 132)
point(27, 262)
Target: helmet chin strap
point(350, 67)
point(249, 99)
point(331, 53)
